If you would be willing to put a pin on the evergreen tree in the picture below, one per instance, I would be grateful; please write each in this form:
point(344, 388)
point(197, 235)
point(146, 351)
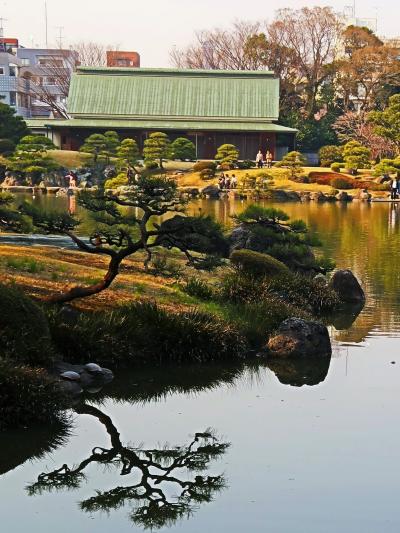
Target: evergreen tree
point(112, 143)
point(227, 153)
point(294, 161)
point(31, 158)
point(157, 148)
point(183, 149)
point(96, 145)
point(128, 154)
point(387, 122)
point(120, 233)
point(12, 126)
point(356, 156)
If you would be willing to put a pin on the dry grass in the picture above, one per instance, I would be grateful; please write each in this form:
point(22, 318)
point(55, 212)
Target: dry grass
point(69, 158)
point(65, 268)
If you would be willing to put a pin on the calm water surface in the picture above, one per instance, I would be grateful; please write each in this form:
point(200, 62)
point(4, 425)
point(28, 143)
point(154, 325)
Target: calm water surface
point(321, 457)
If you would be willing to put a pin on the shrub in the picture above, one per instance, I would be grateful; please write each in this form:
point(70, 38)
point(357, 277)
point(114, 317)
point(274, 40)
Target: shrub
point(330, 154)
point(341, 183)
point(145, 333)
point(257, 320)
point(207, 174)
point(246, 164)
point(7, 147)
point(198, 289)
point(150, 165)
point(203, 165)
point(257, 264)
point(118, 181)
point(28, 396)
point(336, 167)
point(162, 266)
point(24, 331)
point(293, 289)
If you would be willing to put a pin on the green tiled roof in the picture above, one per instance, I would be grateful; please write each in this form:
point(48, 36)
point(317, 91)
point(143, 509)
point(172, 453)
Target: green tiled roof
point(167, 124)
point(154, 94)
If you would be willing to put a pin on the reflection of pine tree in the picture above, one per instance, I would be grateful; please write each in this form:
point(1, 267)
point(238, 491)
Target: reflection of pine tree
point(157, 469)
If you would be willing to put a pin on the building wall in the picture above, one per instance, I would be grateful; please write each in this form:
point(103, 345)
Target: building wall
point(206, 142)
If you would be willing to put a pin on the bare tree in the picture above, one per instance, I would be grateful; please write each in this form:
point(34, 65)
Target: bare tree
point(220, 49)
point(91, 54)
point(48, 83)
point(312, 35)
point(355, 127)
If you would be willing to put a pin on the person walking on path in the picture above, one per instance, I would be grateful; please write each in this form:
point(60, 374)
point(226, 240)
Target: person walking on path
point(260, 159)
point(394, 186)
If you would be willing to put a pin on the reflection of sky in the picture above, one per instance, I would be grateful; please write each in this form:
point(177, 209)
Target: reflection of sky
point(310, 460)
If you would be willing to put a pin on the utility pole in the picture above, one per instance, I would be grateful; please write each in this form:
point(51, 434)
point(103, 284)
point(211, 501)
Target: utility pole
point(60, 36)
point(46, 24)
point(2, 44)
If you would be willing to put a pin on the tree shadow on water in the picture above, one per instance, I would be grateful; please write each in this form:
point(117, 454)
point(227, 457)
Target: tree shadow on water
point(156, 473)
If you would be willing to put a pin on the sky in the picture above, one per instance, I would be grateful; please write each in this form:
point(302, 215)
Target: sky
point(154, 27)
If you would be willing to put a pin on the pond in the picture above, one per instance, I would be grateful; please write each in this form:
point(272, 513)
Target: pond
point(310, 450)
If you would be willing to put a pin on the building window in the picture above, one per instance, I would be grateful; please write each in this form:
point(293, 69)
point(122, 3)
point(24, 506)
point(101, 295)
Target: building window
point(25, 62)
point(1, 71)
point(13, 98)
point(13, 71)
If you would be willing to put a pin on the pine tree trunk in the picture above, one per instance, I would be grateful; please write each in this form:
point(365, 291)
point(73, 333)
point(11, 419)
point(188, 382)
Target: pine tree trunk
point(83, 292)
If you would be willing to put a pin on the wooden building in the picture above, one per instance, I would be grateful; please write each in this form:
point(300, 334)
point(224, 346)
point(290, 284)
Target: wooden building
point(210, 107)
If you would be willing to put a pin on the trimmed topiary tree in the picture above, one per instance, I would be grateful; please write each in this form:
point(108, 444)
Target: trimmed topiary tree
point(31, 159)
point(356, 156)
point(157, 148)
point(257, 264)
point(269, 231)
point(293, 161)
point(330, 154)
point(228, 154)
point(183, 149)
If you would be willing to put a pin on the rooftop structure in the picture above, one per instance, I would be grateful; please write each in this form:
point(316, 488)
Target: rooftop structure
point(209, 107)
point(123, 59)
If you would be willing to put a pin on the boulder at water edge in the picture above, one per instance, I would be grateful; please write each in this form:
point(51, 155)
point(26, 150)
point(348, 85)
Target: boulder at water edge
point(347, 287)
point(300, 338)
point(211, 190)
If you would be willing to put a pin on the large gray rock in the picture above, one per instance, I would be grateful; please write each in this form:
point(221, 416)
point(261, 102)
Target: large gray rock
point(296, 338)
point(347, 287)
point(211, 190)
point(343, 196)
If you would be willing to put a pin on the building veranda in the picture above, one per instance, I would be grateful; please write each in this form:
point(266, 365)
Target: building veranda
point(209, 107)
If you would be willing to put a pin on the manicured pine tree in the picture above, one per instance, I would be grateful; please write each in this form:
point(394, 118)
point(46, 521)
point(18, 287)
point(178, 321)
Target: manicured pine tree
point(183, 149)
point(157, 148)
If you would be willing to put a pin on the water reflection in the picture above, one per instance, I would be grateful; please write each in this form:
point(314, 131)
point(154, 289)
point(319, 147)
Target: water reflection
point(299, 372)
point(19, 446)
point(155, 474)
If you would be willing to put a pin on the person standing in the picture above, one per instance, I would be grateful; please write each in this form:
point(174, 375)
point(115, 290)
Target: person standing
point(268, 159)
point(233, 182)
point(227, 183)
point(260, 159)
point(394, 184)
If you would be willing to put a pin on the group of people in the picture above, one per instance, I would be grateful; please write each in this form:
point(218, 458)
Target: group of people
point(225, 183)
point(395, 189)
point(260, 159)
